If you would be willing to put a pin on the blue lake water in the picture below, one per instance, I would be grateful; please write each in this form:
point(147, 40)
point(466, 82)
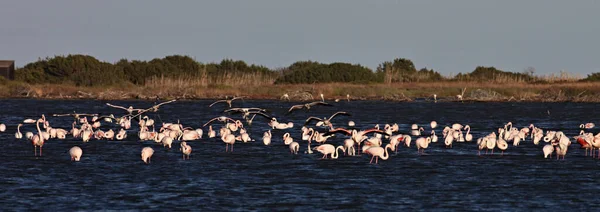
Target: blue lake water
point(112, 176)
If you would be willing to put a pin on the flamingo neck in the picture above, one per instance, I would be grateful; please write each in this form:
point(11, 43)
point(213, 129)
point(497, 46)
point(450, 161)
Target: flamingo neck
point(386, 155)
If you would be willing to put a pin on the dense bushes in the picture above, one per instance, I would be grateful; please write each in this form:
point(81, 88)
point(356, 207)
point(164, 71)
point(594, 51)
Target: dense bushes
point(83, 70)
point(314, 72)
point(492, 74)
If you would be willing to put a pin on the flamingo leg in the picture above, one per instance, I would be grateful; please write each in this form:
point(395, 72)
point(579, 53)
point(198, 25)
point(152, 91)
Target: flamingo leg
point(40, 151)
point(372, 159)
point(34, 150)
point(377, 160)
point(231, 147)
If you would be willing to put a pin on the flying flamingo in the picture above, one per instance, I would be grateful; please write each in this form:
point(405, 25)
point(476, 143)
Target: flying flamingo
point(147, 153)
point(75, 153)
point(378, 152)
point(307, 106)
point(228, 101)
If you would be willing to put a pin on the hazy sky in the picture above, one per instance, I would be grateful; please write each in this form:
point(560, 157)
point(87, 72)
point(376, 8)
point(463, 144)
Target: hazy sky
point(448, 36)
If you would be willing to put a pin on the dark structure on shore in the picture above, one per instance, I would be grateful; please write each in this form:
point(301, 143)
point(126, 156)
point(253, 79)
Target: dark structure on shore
point(7, 69)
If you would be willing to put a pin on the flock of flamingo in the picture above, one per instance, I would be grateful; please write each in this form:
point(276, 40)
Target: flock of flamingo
point(357, 141)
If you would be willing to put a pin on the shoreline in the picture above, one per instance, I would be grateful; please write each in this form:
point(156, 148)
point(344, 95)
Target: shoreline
point(399, 92)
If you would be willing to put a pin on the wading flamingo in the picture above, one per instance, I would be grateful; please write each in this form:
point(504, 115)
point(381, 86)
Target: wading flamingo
point(75, 153)
point(147, 153)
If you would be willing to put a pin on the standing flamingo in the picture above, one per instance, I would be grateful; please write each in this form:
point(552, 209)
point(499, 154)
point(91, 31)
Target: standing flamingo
point(185, 149)
point(267, 138)
point(38, 140)
point(75, 153)
point(548, 150)
point(378, 152)
point(328, 149)
point(18, 134)
point(147, 153)
point(422, 143)
point(502, 145)
point(228, 139)
point(294, 147)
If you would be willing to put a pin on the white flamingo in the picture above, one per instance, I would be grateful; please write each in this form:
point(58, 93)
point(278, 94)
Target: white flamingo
point(328, 149)
point(378, 152)
point(147, 153)
point(185, 149)
point(18, 134)
point(294, 147)
point(422, 143)
point(75, 153)
point(267, 138)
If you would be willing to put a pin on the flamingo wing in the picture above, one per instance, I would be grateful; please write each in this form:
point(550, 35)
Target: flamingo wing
point(338, 130)
point(217, 102)
point(116, 106)
point(295, 107)
point(339, 113)
point(312, 118)
point(261, 113)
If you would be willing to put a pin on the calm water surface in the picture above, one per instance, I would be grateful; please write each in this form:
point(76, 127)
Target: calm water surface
point(112, 176)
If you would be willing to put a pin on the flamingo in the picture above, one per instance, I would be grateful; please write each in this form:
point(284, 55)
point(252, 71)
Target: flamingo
point(326, 121)
point(110, 134)
point(434, 137)
point(351, 124)
point(378, 152)
point(502, 145)
point(448, 141)
point(481, 143)
point(294, 147)
point(328, 149)
point(287, 139)
point(433, 124)
point(416, 132)
point(75, 153)
point(185, 149)
point(18, 134)
point(307, 106)
point(167, 141)
point(491, 144)
point(587, 126)
point(147, 153)
point(38, 140)
point(2, 127)
point(548, 150)
point(122, 134)
point(228, 139)
point(211, 132)
point(228, 101)
point(422, 143)
point(267, 138)
point(349, 145)
point(468, 136)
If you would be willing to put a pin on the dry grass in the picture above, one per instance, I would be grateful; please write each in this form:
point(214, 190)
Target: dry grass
point(251, 88)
